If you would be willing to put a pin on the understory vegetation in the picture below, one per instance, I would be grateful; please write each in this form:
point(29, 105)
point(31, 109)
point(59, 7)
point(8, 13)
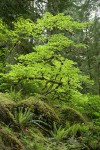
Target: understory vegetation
point(32, 124)
point(49, 79)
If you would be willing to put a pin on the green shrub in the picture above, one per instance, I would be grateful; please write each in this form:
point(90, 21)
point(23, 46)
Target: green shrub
point(91, 108)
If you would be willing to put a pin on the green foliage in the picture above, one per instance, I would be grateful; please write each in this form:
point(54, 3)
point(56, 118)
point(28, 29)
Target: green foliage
point(88, 105)
point(68, 136)
point(45, 70)
point(92, 108)
point(39, 146)
point(15, 96)
point(58, 133)
point(9, 10)
point(51, 73)
point(22, 116)
point(33, 139)
point(77, 136)
point(76, 130)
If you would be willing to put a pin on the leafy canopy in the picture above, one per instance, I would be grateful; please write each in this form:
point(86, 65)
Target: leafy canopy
point(45, 66)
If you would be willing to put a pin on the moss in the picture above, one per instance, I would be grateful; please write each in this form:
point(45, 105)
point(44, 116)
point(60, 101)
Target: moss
point(41, 110)
point(33, 134)
point(71, 115)
point(1, 144)
point(5, 101)
point(6, 106)
point(9, 140)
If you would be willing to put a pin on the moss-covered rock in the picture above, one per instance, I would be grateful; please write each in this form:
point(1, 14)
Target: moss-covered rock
point(9, 141)
point(1, 144)
point(6, 106)
point(41, 110)
point(32, 136)
point(71, 115)
point(5, 101)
